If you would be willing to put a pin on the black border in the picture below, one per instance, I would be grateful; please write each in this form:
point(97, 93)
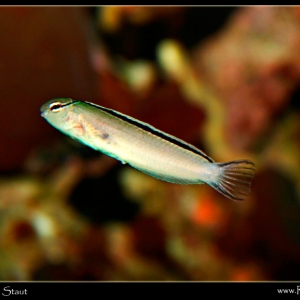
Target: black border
point(137, 289)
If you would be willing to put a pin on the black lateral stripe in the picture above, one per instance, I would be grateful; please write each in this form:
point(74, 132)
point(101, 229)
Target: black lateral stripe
point(152, 130)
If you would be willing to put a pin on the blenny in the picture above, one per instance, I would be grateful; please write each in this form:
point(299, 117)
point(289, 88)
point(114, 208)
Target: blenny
point(146, 148)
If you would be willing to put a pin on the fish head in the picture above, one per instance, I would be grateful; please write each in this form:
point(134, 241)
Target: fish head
point(57, 112)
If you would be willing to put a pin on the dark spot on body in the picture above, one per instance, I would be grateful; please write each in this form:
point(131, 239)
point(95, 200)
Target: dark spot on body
point(105, 136)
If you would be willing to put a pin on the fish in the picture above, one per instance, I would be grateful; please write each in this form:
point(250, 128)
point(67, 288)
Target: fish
point(146, 148)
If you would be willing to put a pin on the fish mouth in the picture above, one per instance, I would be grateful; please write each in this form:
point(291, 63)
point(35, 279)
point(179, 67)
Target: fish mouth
point(43, 113)
point(43, 109)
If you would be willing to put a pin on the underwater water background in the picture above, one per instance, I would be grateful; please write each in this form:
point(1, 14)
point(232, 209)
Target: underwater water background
point(225, 79)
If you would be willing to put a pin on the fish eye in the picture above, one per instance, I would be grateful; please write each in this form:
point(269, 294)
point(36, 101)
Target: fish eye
point(55, 107)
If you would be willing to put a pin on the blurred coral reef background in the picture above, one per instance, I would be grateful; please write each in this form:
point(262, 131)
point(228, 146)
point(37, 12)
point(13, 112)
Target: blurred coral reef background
point(225, 79)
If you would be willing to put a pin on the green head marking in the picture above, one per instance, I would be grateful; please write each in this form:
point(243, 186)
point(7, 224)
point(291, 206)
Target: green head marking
point(55, 105)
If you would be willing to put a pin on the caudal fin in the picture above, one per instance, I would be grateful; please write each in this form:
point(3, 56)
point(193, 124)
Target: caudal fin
point(234, 180)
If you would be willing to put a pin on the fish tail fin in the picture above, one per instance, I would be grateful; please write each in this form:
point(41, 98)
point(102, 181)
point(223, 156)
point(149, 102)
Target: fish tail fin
point(234, 179)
